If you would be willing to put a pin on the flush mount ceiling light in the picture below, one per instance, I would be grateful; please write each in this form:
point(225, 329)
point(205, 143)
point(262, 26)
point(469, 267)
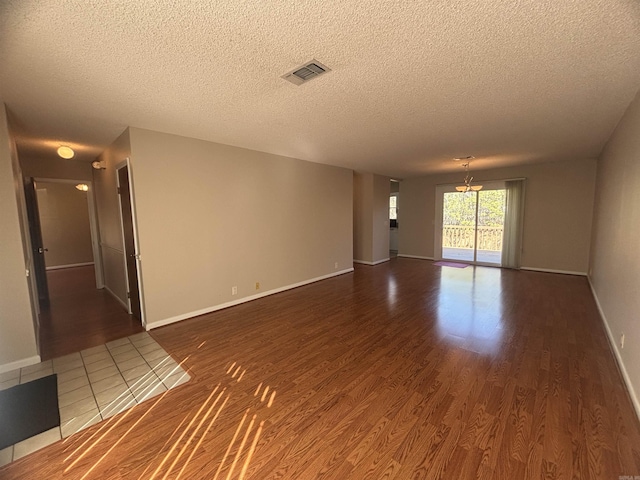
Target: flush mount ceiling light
point(467, 187)
point(66, 152)
point(83, 187)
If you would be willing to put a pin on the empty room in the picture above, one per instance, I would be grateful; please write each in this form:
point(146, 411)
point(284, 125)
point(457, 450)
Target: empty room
point(304, 240)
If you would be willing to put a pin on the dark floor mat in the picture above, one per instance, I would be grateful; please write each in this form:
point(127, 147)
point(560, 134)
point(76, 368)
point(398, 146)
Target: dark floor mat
point(28, 409)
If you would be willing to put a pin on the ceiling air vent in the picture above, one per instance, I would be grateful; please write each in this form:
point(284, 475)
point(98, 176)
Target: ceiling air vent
point(306, 72)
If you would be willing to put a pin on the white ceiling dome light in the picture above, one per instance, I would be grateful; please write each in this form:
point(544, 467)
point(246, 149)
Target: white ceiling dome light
point(66, 152)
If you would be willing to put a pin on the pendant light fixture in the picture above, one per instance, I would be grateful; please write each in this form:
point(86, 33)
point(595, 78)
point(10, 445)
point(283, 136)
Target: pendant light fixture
point(467, 187)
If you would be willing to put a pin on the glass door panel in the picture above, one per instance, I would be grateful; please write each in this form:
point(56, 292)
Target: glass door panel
point(458, 226)
point(491, 210)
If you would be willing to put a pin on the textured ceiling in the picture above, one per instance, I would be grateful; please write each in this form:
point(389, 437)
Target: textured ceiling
point(412, 85)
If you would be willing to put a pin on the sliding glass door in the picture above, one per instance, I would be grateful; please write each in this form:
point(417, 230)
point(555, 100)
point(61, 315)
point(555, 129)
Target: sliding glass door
point(459, 226)
point(472, 225)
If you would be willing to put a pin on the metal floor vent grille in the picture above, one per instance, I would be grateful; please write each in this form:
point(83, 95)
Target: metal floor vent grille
point(306, 72)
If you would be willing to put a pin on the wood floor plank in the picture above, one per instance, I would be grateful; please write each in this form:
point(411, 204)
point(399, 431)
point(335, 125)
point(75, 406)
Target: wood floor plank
point(476, 373)
point(80, 316)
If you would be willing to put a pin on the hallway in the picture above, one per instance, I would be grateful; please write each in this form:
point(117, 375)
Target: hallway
point(80, 316)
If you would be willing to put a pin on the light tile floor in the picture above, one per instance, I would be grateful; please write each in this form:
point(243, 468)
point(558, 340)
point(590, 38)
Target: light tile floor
point(96, 384)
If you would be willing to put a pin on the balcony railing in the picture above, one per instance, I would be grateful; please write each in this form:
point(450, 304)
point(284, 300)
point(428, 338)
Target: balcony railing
point(457, 236)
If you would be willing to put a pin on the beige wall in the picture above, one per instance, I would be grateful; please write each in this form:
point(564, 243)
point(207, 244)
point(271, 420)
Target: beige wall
point(615, 275)
point(64, 221)
point(362, 218)
point(17, 337)
point(557, 218)
point(56, 168)
point(381, 193)
point(371, 217)
point(212, 216)
point(106, 195)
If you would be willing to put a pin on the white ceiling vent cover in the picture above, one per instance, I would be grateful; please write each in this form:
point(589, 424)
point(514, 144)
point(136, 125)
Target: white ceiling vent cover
point(306, 72)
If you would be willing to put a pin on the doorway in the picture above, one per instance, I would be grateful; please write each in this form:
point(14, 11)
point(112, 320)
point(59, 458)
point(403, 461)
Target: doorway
point(393, 219)
point(75, 311)
point(471, 224)
point(68, 225)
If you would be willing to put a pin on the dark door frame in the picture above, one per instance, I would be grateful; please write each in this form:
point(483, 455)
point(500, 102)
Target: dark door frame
point(131, 257)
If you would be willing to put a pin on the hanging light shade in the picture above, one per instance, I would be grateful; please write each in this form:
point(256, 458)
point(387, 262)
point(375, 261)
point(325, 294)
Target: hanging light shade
point(468, 187)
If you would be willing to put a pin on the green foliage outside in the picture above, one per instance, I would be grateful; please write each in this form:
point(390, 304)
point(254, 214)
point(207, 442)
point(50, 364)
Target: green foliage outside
point(460, 208)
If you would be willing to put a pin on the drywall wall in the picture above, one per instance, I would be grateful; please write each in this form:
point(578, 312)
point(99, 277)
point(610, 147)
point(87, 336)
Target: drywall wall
point(106, 194)
point(371, 218)
point(55, 167)
point(17, 336)
point(557, 217)
point(380, 213)
point(362, 217)
point(64, 222)
point(615, 261)
point(212, 216)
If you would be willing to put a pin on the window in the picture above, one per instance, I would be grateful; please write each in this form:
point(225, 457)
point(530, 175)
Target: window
point(393, 210)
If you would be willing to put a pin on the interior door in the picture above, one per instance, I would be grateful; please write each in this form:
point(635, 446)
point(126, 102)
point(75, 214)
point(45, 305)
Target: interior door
point(38, 249)
point(124, 190)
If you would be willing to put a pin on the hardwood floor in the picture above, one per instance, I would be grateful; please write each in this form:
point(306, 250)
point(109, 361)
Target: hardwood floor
point(79, 315)
point(404, 370)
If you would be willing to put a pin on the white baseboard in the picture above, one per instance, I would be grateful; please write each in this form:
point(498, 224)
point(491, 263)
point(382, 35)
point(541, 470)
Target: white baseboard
point(549, 270)
point(120, 301)
point(69, 265)
point(614, 346)
point(25, 362)
point(177, 318)
point(364, 262)
point(415, 256)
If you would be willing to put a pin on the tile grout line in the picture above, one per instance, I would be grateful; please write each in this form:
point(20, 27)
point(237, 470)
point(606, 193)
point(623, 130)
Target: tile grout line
point(149, 365)
point(84, 365)
point(146, 363)
point(120, 373)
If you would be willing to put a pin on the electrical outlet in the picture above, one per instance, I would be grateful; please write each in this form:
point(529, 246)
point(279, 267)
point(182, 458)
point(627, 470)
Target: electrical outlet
point(335, 265)
point(622, 340)
point(234, 290)
point(257, 285)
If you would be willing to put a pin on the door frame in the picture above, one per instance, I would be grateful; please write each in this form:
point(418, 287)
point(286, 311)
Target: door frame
point(127, 163)
point(93, 224)
point(437, 241)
